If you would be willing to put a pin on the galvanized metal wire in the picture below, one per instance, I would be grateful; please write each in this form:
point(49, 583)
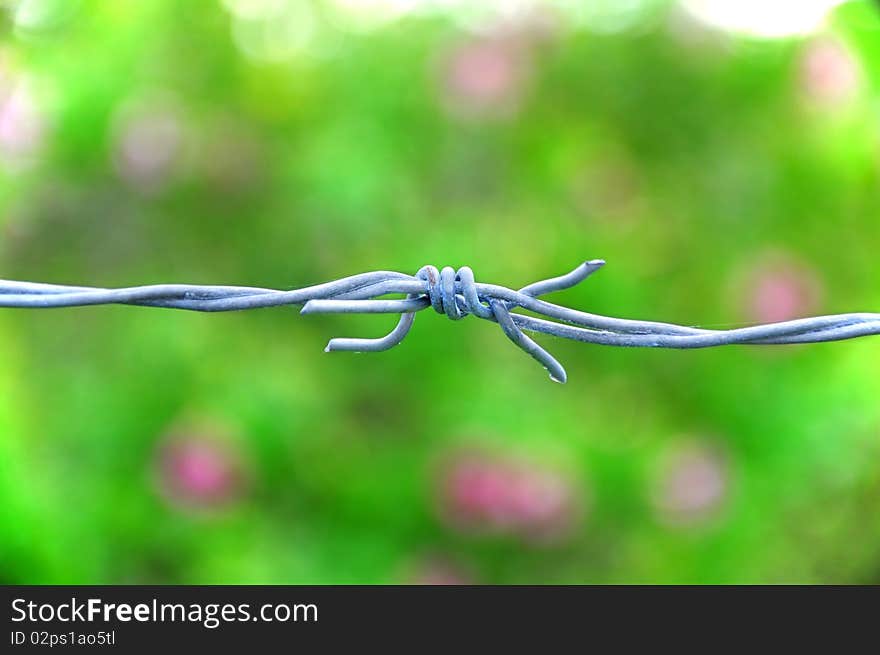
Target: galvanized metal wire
point(457, 295)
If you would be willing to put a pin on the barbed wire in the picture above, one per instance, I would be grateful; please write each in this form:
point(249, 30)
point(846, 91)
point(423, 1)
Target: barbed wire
point(457, 295)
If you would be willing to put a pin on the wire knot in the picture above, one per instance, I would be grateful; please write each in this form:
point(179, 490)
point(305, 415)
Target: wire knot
point(455, 294)
point(452, 292)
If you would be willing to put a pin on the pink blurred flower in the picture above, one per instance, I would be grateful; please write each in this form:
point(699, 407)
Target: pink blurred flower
point(608, 188)
point(692, 486)
point(829, 74)
point(22, 124)
point(232, 160)
point(437, 570)
point(481, 493)
point(780, 289)
point(708, 44)
point(148, 145)
point(199, 469)
point(485, 78)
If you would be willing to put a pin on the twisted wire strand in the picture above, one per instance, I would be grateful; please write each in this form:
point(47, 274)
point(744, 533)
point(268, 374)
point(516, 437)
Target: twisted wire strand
point(456, 294)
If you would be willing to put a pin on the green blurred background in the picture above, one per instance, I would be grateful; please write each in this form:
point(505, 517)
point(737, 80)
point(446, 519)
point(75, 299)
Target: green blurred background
point(723, 157)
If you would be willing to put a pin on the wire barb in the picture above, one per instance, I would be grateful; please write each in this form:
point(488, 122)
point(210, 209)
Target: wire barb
point(455, 294)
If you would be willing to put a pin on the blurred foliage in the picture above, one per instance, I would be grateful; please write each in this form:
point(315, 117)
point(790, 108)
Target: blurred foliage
point(191, 142)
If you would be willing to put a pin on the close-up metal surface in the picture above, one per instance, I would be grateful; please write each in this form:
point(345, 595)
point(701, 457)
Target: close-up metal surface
point(455, 294)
